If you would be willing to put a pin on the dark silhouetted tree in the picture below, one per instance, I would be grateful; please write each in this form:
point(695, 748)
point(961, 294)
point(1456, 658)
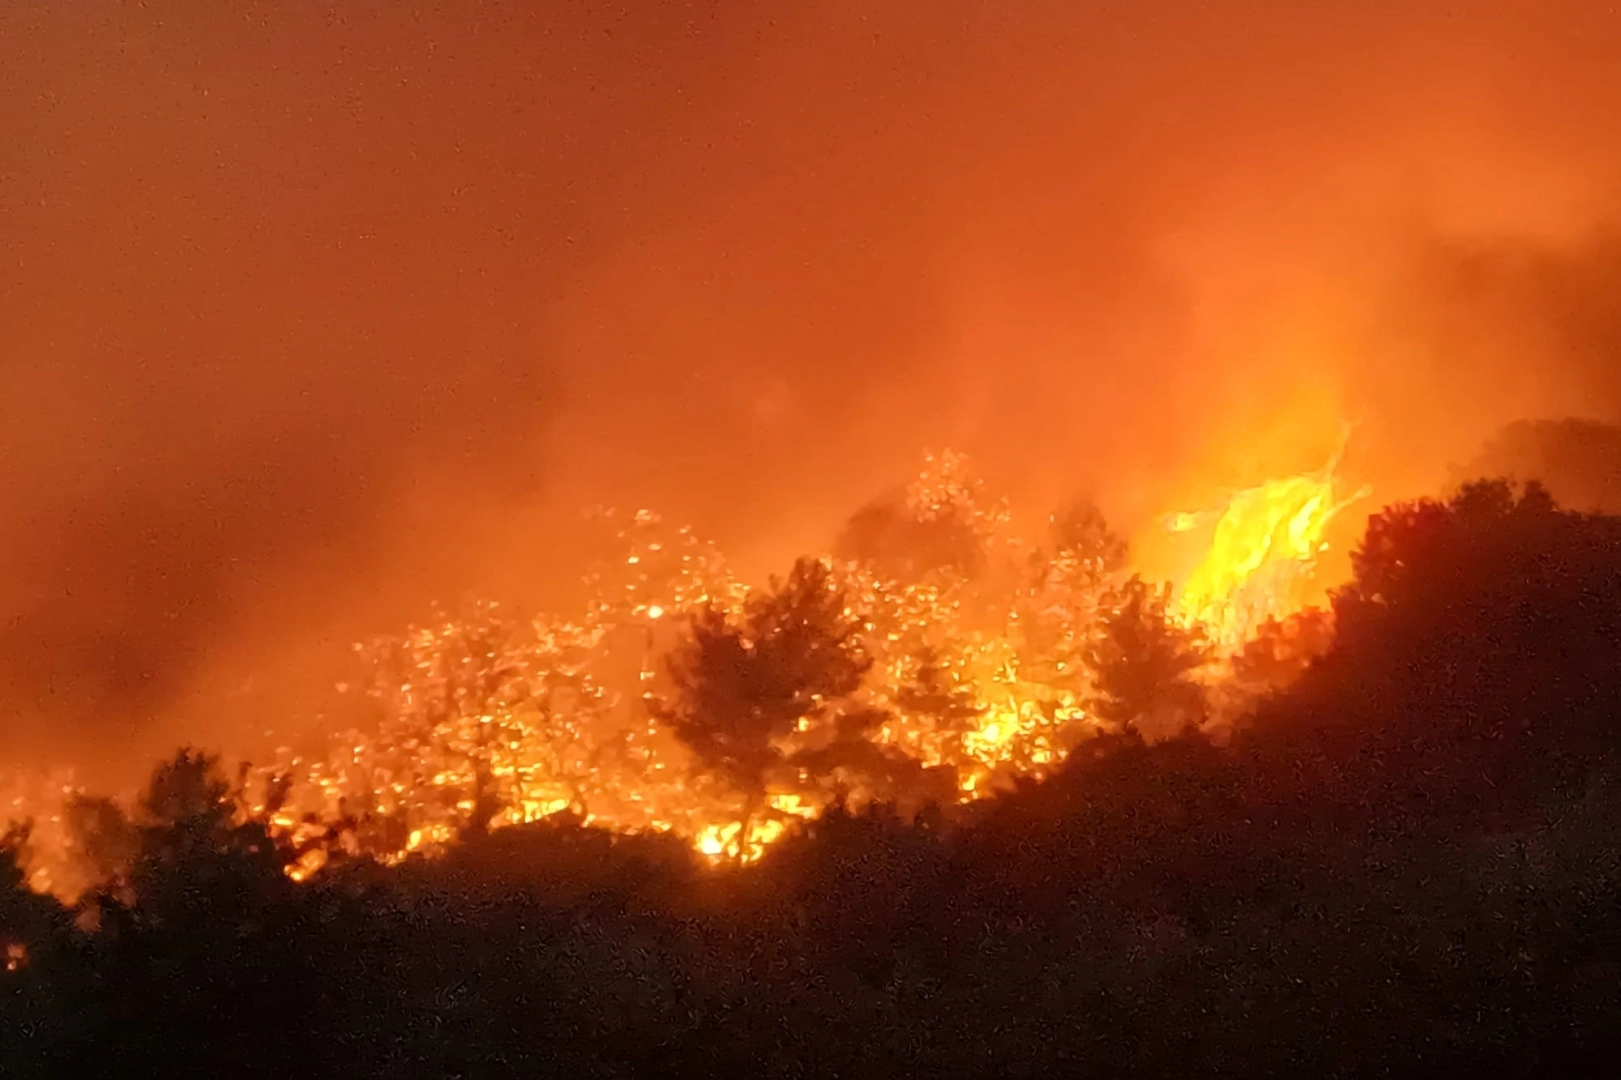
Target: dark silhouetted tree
point(1472, 658)
point(1145, 666)
point(743, 684)
point(188, 790)
point(34, 932)
point(201, 855)
point(844, 758)
point(1280, 651)
point(1081, 532)
point(27, 918)
point(104, 840)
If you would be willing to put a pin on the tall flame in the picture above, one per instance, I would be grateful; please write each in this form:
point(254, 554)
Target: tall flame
point(1262, 555)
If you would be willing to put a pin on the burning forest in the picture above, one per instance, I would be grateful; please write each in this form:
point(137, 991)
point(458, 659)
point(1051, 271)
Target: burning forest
point(947, 786)
point(935, 656)
point(1230, 691)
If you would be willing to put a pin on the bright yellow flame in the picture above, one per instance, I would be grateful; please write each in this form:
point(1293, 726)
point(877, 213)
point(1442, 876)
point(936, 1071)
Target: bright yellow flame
point(710, 842)
point(1262, 552)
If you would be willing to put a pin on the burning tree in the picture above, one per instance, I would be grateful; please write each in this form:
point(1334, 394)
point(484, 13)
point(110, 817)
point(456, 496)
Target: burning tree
point(451, 694)
point(1006, 631)
point(1058, 615)
point(938, 527)
point(947, 707)
point(744, 684)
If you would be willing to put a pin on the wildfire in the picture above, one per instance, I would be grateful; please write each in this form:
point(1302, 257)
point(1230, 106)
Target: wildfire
point(40, 800)
point(980, 674)
point(1262, 554)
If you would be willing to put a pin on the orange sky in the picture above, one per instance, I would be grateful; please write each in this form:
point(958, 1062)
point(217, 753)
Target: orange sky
point(310, 312)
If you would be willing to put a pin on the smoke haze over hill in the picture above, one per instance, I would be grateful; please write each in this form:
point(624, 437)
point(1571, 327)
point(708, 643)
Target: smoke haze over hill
point(311, 313)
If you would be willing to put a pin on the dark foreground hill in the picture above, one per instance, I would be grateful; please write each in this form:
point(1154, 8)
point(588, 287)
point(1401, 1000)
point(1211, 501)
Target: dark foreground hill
point(1403, 865)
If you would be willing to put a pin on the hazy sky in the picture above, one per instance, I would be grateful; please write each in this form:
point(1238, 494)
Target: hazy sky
point(312, 311)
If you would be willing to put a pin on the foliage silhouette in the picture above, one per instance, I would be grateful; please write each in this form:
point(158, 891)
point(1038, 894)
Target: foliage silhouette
point(1473, 660)
point(1145, 665)
point(104, 840)
point(743, 685)
point(1404, 865)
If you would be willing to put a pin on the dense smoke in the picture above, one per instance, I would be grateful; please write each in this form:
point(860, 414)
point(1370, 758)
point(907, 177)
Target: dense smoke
point(311, 313)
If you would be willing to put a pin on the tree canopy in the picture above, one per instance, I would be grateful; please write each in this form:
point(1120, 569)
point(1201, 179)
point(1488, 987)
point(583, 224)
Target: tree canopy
point(745, 682)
